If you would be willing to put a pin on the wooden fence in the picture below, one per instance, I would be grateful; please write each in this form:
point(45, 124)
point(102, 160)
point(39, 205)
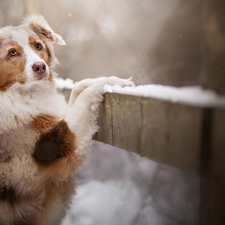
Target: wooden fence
point(185, 137)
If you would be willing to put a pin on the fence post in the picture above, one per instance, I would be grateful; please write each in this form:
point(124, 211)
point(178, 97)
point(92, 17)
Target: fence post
point(213, 168)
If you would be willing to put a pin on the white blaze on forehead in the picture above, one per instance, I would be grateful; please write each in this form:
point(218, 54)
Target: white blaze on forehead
point(21, 37)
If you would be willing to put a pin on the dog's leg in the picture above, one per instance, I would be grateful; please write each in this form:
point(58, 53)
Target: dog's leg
point(82, 118)
point(80, 86)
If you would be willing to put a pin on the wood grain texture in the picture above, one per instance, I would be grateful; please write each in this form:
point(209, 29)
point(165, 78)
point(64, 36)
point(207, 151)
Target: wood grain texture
point(185, 137)
point(166, 132)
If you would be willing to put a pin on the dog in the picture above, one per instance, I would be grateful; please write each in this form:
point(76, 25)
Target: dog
point(43, 140)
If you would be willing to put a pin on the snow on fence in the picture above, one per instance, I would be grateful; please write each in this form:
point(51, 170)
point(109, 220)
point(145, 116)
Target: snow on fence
point(180, 127)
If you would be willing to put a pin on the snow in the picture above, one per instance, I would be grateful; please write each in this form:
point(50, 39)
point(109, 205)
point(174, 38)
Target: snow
point(190, 95)
point(99, 202)
point(61, 83)
point(117, 187)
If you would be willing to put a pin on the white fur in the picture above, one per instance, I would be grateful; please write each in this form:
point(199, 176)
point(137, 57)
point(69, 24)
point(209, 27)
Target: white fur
point(82, 118)
point(19, 106)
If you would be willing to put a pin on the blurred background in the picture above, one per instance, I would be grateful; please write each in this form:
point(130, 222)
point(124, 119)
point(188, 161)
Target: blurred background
point(170, 42)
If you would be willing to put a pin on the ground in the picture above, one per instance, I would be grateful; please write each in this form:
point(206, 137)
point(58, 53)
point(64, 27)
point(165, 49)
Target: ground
point(118, 187)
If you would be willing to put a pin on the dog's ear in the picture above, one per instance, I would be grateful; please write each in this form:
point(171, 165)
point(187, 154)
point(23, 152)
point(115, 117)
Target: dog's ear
point(40, 26)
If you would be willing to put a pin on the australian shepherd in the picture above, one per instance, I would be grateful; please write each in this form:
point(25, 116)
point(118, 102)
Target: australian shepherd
point(43, 140)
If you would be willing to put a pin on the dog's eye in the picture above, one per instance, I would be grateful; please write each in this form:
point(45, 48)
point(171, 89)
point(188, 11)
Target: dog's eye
point(38, 46)
point(13, 52)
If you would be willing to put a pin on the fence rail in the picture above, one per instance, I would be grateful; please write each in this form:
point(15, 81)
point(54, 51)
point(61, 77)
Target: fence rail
point(165, 132)
point(185, 137)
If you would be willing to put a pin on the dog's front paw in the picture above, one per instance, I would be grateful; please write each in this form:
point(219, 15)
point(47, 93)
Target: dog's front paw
point(122, 82)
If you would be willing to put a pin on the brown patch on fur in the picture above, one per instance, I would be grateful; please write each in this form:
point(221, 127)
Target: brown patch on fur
point(10, 198)
point(5, 156)
point(8, 195)
point(65, 166)
point(48, 52)
point(41, 31)
point(57, 143)
point(24, 221)
point(12, 68)
point(62, 190)
point(45, 122)
point(50, 78)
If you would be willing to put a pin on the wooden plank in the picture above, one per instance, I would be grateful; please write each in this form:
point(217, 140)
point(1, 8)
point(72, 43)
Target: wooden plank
point(185, 137)
point(213, 171)
point(166, 132)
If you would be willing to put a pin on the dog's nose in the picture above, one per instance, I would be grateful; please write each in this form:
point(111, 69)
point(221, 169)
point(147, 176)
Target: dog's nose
point(39, 67)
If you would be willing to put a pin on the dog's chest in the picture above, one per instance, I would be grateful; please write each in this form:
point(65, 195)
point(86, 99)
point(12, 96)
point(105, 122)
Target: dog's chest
point(16, 154)
point(5, 155)
point(17, 142)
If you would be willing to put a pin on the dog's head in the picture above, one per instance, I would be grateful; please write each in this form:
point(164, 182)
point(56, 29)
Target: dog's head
point(26, 53)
